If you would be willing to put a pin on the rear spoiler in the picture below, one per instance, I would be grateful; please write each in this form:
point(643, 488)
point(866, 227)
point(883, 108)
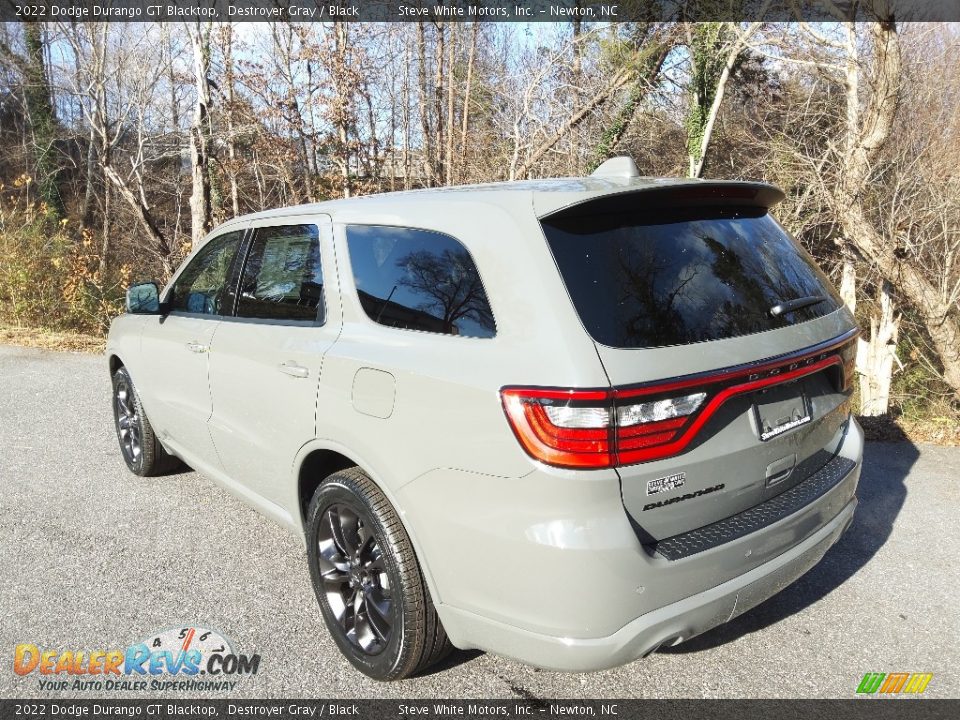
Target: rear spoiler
point(681, 195)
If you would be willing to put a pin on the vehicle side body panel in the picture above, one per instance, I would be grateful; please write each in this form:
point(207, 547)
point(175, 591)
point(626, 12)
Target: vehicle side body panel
point(264, 379)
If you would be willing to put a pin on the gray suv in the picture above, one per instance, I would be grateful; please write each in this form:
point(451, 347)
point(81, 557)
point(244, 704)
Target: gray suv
point(566, 421)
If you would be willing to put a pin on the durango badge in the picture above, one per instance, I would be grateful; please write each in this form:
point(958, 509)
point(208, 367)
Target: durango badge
point(681, 498)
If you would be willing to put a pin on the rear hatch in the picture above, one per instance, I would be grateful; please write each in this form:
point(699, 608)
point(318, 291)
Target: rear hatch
point(728, 351)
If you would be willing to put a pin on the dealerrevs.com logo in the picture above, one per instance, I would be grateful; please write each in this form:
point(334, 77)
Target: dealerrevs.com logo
point(181, 658)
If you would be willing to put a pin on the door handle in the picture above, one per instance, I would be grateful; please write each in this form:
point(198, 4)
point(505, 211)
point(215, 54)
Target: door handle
point(197, 347)
point(294, 370)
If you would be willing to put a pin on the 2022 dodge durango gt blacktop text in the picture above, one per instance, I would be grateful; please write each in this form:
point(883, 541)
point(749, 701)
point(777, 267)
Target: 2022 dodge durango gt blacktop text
point(566, 421)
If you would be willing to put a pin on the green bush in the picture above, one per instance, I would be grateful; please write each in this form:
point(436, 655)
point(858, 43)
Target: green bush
point(50, 275)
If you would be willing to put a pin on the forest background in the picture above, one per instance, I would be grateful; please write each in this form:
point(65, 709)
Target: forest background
point(123, 144)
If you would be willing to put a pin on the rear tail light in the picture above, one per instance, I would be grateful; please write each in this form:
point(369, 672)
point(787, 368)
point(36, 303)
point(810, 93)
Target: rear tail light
point(624, 426)
point(593, 428)
point(566, 428)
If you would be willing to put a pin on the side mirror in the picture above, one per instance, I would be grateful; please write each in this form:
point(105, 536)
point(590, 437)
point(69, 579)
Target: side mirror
point(144, 299)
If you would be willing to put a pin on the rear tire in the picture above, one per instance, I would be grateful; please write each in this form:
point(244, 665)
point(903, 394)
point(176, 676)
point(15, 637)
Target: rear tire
point(141, 450)
point(368, 582)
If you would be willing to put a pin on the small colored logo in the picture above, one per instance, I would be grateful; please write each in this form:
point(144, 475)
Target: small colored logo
point(894, 683)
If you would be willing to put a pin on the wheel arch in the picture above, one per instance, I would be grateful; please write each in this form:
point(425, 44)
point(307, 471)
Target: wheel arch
point(115, 363)
point(315, 467)
point(316, 461)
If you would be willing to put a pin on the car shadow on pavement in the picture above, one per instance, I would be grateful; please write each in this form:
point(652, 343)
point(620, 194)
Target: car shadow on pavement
point(881, 493)
point(176, 467)
point(455, 658)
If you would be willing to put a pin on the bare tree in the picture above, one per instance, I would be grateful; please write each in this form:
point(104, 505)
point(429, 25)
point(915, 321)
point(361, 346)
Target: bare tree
point(36, 92)
point(640, 65)
point(715, 49)
point(869, 127)
point(201, 132)
point(116, 104)
point(856, 121)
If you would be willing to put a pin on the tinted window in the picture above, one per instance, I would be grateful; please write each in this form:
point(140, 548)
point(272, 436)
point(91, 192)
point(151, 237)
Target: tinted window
point(200, 287)
point(418, 280)
point(683, 277)
point(282, 278)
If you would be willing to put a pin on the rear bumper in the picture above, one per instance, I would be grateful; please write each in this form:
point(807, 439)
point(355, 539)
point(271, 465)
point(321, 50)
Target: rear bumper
point(664, 627)
point(548, 571)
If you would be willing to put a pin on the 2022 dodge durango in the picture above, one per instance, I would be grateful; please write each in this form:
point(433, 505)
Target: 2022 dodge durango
point(566, 421)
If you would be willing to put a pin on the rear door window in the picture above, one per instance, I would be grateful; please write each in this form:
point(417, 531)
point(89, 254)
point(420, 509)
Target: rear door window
point(418, 280)
point(640, 279)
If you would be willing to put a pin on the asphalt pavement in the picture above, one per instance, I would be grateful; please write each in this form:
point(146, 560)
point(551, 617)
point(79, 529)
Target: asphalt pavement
point(92, 557)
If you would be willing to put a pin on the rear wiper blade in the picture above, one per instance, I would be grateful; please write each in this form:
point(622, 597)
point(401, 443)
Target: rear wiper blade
point(791, 305)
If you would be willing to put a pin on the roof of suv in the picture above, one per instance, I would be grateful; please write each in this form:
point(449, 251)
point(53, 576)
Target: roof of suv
point(546, 196)
point(615, 177)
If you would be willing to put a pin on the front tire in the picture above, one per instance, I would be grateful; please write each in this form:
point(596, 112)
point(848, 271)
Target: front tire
point(368, 582)
point(141, 450)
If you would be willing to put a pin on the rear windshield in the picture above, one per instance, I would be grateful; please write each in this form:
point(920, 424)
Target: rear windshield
point(683, 276)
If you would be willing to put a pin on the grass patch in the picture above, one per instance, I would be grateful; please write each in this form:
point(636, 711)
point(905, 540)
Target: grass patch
point(932, 429)
point(51, 339)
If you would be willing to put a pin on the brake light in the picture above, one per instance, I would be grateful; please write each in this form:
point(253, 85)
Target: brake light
point(567, 428)
point(624, 426)
point(591, 428)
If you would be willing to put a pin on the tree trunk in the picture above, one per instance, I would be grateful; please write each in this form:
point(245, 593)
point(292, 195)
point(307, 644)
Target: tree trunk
point(439, 119)
point(709, 99)
point(43, 124)
point(258, 177)
point(872, 129)
point(848, 283)
point(427, 149)
point(373, 153)
point(448, 154)
point(229, 80)
point(407, 165)
point(343, 103)
point(86, 211)
point(201, 212)
point(106, 243)
point(696, 163)
point(159, 243)
point(576, 79)
point(938, 318)
point(465, 113)
point(875, 357)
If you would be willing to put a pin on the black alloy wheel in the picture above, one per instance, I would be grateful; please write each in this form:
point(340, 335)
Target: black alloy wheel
point(355, 578)
point(374, 599)
point(141, 450)
point(129, 431)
